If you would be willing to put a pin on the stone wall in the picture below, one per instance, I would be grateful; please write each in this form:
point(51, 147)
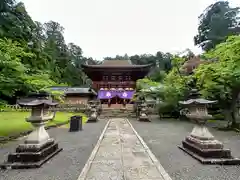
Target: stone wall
point(76, 100)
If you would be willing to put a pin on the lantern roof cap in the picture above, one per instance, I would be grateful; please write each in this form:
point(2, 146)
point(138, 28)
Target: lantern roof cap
point(197, 101)
point(36, 102)
point(37, 99)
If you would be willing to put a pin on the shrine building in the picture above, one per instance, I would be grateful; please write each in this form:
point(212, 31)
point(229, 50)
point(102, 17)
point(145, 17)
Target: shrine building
point(115, 80)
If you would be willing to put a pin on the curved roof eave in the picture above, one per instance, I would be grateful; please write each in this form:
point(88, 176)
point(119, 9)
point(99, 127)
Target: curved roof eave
point(110, 67)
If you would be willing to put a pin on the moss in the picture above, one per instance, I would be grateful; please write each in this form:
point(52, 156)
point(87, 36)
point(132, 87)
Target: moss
point(14, 122)
point(218, 116)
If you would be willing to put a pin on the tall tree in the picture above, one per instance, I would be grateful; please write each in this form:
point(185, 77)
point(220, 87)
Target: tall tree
point(74, 74)
point(56, 49)
point(216, 23)
point(15, 23)
point(15, 77)
point(221, 79)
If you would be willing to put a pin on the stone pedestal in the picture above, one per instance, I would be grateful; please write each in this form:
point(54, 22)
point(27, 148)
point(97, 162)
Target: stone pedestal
point(202, 145)
point(143, 117)
point(38, 147)
point(31, 157)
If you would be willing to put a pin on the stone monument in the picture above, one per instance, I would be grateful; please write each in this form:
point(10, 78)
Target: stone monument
point(38, 147)
point(201, 144)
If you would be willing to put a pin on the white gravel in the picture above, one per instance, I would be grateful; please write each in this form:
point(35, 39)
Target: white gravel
point(163, 136)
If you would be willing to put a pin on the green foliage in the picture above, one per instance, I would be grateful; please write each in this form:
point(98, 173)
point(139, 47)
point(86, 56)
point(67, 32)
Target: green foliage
point(157, 75)
point(57, 95)
point(218, 116)
point(146, 88)
point(221, 80)
point(12, 74)
point(166, 108)
point(161, 61)
point(16, 76)
point(146, 83)
point(34, 56)
point(175, 86)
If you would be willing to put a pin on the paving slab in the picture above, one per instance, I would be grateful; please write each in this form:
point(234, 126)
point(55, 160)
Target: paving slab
point(121, 154)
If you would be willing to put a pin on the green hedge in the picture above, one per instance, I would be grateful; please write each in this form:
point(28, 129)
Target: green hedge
point(218, 116)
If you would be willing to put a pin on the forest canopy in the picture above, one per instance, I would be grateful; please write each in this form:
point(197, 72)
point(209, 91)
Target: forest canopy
point(35, 55)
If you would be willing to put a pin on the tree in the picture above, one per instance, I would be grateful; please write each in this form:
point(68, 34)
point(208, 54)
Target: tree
point(118, 57)
point(35, 55)
point(216, 23)
point(15, 23)
point(15, 77)
point(55, 45)
point(175, 86)
point(221, 80)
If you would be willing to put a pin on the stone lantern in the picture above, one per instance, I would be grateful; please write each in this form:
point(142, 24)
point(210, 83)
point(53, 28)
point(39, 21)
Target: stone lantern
point(38, 147)
point(93, 117)
point(143, 112)
point(201, 144)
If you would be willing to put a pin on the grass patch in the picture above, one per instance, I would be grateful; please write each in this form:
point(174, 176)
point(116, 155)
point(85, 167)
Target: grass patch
point(14, 122)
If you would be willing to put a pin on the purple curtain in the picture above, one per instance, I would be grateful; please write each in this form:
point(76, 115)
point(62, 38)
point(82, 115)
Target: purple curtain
point(104, 94)
point(125, 94)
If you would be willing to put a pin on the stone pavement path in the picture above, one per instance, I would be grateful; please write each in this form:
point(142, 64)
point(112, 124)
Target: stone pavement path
point(121, 154)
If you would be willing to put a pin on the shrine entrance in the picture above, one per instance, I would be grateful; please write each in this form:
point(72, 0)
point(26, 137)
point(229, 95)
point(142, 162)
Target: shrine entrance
point(116, 100)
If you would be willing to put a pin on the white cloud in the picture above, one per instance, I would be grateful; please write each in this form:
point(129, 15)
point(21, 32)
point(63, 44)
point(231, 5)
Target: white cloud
point(109, 27)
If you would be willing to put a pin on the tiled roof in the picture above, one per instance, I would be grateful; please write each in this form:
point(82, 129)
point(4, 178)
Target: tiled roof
point(193, 61)
point(116, 63)
point(58, 88)
point(73, 90)
point(76, 90)
point(36, 102)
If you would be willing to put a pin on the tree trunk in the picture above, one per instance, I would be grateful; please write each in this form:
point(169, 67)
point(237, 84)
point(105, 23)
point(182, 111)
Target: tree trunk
point(233, 109)
point(234, 123)
point(229, 109)
point(227, 116)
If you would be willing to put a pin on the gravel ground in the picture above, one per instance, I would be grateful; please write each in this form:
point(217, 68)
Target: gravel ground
point(66, 165)
point(163, 136)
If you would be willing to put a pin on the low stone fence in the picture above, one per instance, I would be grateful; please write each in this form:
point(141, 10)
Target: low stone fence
point(59, 108)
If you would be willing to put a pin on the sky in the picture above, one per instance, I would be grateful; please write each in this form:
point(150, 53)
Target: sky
point(109, 27)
